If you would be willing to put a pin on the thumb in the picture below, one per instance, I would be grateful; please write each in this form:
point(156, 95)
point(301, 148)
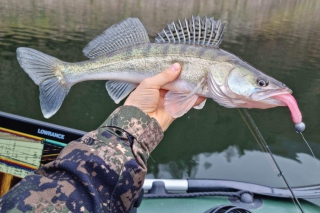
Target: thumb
point(165, 76)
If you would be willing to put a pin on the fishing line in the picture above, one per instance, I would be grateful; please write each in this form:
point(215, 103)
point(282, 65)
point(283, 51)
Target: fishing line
point(255, 137)
point(315, 159)
point(259, 142)
point(295, 199)
point(152, 158)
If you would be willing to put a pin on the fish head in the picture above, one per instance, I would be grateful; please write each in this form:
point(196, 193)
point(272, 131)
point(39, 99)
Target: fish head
point(250, 88)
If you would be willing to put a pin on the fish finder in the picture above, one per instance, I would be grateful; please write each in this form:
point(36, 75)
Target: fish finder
point(26, 144)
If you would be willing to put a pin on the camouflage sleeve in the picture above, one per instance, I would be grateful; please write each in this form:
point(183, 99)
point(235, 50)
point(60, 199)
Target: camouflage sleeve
point(103, 173)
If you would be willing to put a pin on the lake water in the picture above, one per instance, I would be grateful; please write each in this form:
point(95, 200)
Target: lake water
point(281, 38)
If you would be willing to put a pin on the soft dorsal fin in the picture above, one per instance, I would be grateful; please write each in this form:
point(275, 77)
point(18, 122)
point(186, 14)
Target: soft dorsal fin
point(124, 34)
point(201, 31)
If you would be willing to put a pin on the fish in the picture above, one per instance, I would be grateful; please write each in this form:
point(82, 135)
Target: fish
point(124, 56)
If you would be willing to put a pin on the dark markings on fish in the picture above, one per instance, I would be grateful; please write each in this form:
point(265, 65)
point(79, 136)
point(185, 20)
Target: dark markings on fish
point(130, 52)
point(184, 49)
point(148, 50)
point(213, 55)
point(201, 52)
point(166, 49)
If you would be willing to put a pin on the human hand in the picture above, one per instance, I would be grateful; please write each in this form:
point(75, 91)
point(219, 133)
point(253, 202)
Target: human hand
point(149, 97)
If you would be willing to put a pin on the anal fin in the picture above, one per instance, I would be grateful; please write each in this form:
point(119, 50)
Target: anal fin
point(176, 104)
point(118, 90)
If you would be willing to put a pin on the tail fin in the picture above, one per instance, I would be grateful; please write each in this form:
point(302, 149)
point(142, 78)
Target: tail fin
point(45, 71)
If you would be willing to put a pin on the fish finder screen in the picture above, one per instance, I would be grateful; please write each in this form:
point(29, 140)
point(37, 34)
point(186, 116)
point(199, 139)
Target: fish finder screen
point(26, 144)
point(19, 153)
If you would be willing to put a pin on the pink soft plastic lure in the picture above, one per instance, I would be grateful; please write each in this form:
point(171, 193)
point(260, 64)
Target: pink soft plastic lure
point(291, 102)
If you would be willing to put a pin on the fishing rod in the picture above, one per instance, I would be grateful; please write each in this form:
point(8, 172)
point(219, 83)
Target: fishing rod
point(273, 159)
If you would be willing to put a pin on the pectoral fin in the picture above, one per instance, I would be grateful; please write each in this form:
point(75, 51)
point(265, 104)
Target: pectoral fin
point(201, 105)
point(118, 90)
point(176, 103)
point(195, 90)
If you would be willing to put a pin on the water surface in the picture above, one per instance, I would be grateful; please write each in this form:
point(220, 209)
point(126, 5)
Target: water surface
point(280, 38)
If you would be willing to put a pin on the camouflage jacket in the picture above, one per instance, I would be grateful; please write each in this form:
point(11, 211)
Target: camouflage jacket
point(103, 173)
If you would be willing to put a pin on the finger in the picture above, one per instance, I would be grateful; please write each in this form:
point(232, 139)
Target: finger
point(164, 77)
point(163, 92)
point(199, 101)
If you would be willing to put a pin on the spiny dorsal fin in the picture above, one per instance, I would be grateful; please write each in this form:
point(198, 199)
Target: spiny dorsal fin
point(200, 31)
point(124, 34)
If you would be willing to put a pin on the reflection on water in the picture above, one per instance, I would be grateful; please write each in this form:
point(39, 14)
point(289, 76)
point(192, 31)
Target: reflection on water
point(253, 166)
point(279, 37)
point(232, 153)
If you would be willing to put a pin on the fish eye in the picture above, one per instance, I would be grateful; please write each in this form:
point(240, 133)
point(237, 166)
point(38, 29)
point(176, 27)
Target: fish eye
point(262, 82)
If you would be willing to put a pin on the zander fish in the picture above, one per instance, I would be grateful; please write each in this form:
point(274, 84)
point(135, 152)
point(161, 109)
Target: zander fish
point(124, 56)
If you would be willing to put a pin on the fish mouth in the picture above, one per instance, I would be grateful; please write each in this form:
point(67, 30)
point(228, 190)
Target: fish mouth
point(266, 96)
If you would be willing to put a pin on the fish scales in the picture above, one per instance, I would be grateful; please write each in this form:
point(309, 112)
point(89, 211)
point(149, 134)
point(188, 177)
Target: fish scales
point(147, 60)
